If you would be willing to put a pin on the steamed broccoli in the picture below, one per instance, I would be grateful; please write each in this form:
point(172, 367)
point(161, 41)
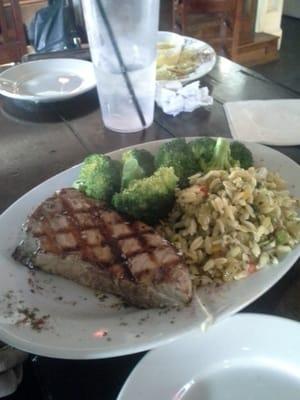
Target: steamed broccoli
point(224, 155)
point(99, 177)
point(240, 153)
point(177, 154)
point(221, 158)
point(137, 164)
point(203, 150)
point(148, 199)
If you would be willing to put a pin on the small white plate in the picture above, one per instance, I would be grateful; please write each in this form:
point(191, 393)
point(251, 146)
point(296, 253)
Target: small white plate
point(178, 41)
point(48, 80)
point(81, 326)
point(248, 356)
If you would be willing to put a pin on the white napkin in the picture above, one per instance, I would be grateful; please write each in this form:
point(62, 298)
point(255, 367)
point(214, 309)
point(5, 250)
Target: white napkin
point(274, 122)
point(11, 370)
point(174, 98)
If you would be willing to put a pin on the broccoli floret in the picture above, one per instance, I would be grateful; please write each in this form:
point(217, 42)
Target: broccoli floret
point(221, 158)
point(99, 177)
point(242, 154)
point(203, 150)
point(148, 199)
point(177, 154)
point(137, 164)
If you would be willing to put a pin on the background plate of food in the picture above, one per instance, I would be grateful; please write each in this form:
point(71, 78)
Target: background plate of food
point(182, 58)
point(251, 247)
point(46, 81)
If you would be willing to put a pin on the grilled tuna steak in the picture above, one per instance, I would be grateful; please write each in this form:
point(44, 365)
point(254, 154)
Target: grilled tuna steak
point(83, 240)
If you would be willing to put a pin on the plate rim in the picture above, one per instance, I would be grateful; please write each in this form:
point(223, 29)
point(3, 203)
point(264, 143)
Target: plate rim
point(93, 353)
point(51, 98)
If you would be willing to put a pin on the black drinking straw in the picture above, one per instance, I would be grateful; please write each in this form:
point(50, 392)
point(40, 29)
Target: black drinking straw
point(121, 62)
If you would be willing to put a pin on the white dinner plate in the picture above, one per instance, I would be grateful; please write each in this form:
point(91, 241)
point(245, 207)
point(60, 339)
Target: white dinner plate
point(186, 42)
point(248, 357)
point(48, 80)
point(80, 325)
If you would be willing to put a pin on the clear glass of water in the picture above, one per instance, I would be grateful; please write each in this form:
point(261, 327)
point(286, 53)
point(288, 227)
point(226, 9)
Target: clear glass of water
point(134, 24)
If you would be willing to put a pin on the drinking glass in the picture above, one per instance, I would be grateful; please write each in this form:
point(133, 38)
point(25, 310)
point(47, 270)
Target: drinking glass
point(126, 92)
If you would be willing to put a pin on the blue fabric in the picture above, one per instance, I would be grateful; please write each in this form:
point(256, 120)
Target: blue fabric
point(53, 28)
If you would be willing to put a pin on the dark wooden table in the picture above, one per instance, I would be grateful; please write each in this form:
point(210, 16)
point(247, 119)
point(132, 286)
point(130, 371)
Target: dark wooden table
point(38, 142)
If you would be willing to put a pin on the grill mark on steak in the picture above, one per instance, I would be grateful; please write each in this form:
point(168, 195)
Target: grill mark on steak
point(138, 232)
point(76, 230)
point(47, 236)
point(98, 224)
point(112, 243)
point(136, 259)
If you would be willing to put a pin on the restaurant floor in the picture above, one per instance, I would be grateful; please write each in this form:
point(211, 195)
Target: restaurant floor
point(286, 69)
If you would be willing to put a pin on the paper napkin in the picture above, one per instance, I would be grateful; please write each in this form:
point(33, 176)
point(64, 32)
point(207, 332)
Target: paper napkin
point(175, 98)
point(274, 122)
point(11, 371)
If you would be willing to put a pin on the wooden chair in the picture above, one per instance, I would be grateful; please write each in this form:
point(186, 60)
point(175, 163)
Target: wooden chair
point(12, 35)
point(214, 21)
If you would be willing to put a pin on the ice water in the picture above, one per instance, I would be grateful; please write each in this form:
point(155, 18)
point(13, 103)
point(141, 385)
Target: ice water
point(118, 110)
point(126, 28)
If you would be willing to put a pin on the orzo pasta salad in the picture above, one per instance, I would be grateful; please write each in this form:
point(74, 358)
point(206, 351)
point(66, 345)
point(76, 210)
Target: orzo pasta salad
point(228, 224)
